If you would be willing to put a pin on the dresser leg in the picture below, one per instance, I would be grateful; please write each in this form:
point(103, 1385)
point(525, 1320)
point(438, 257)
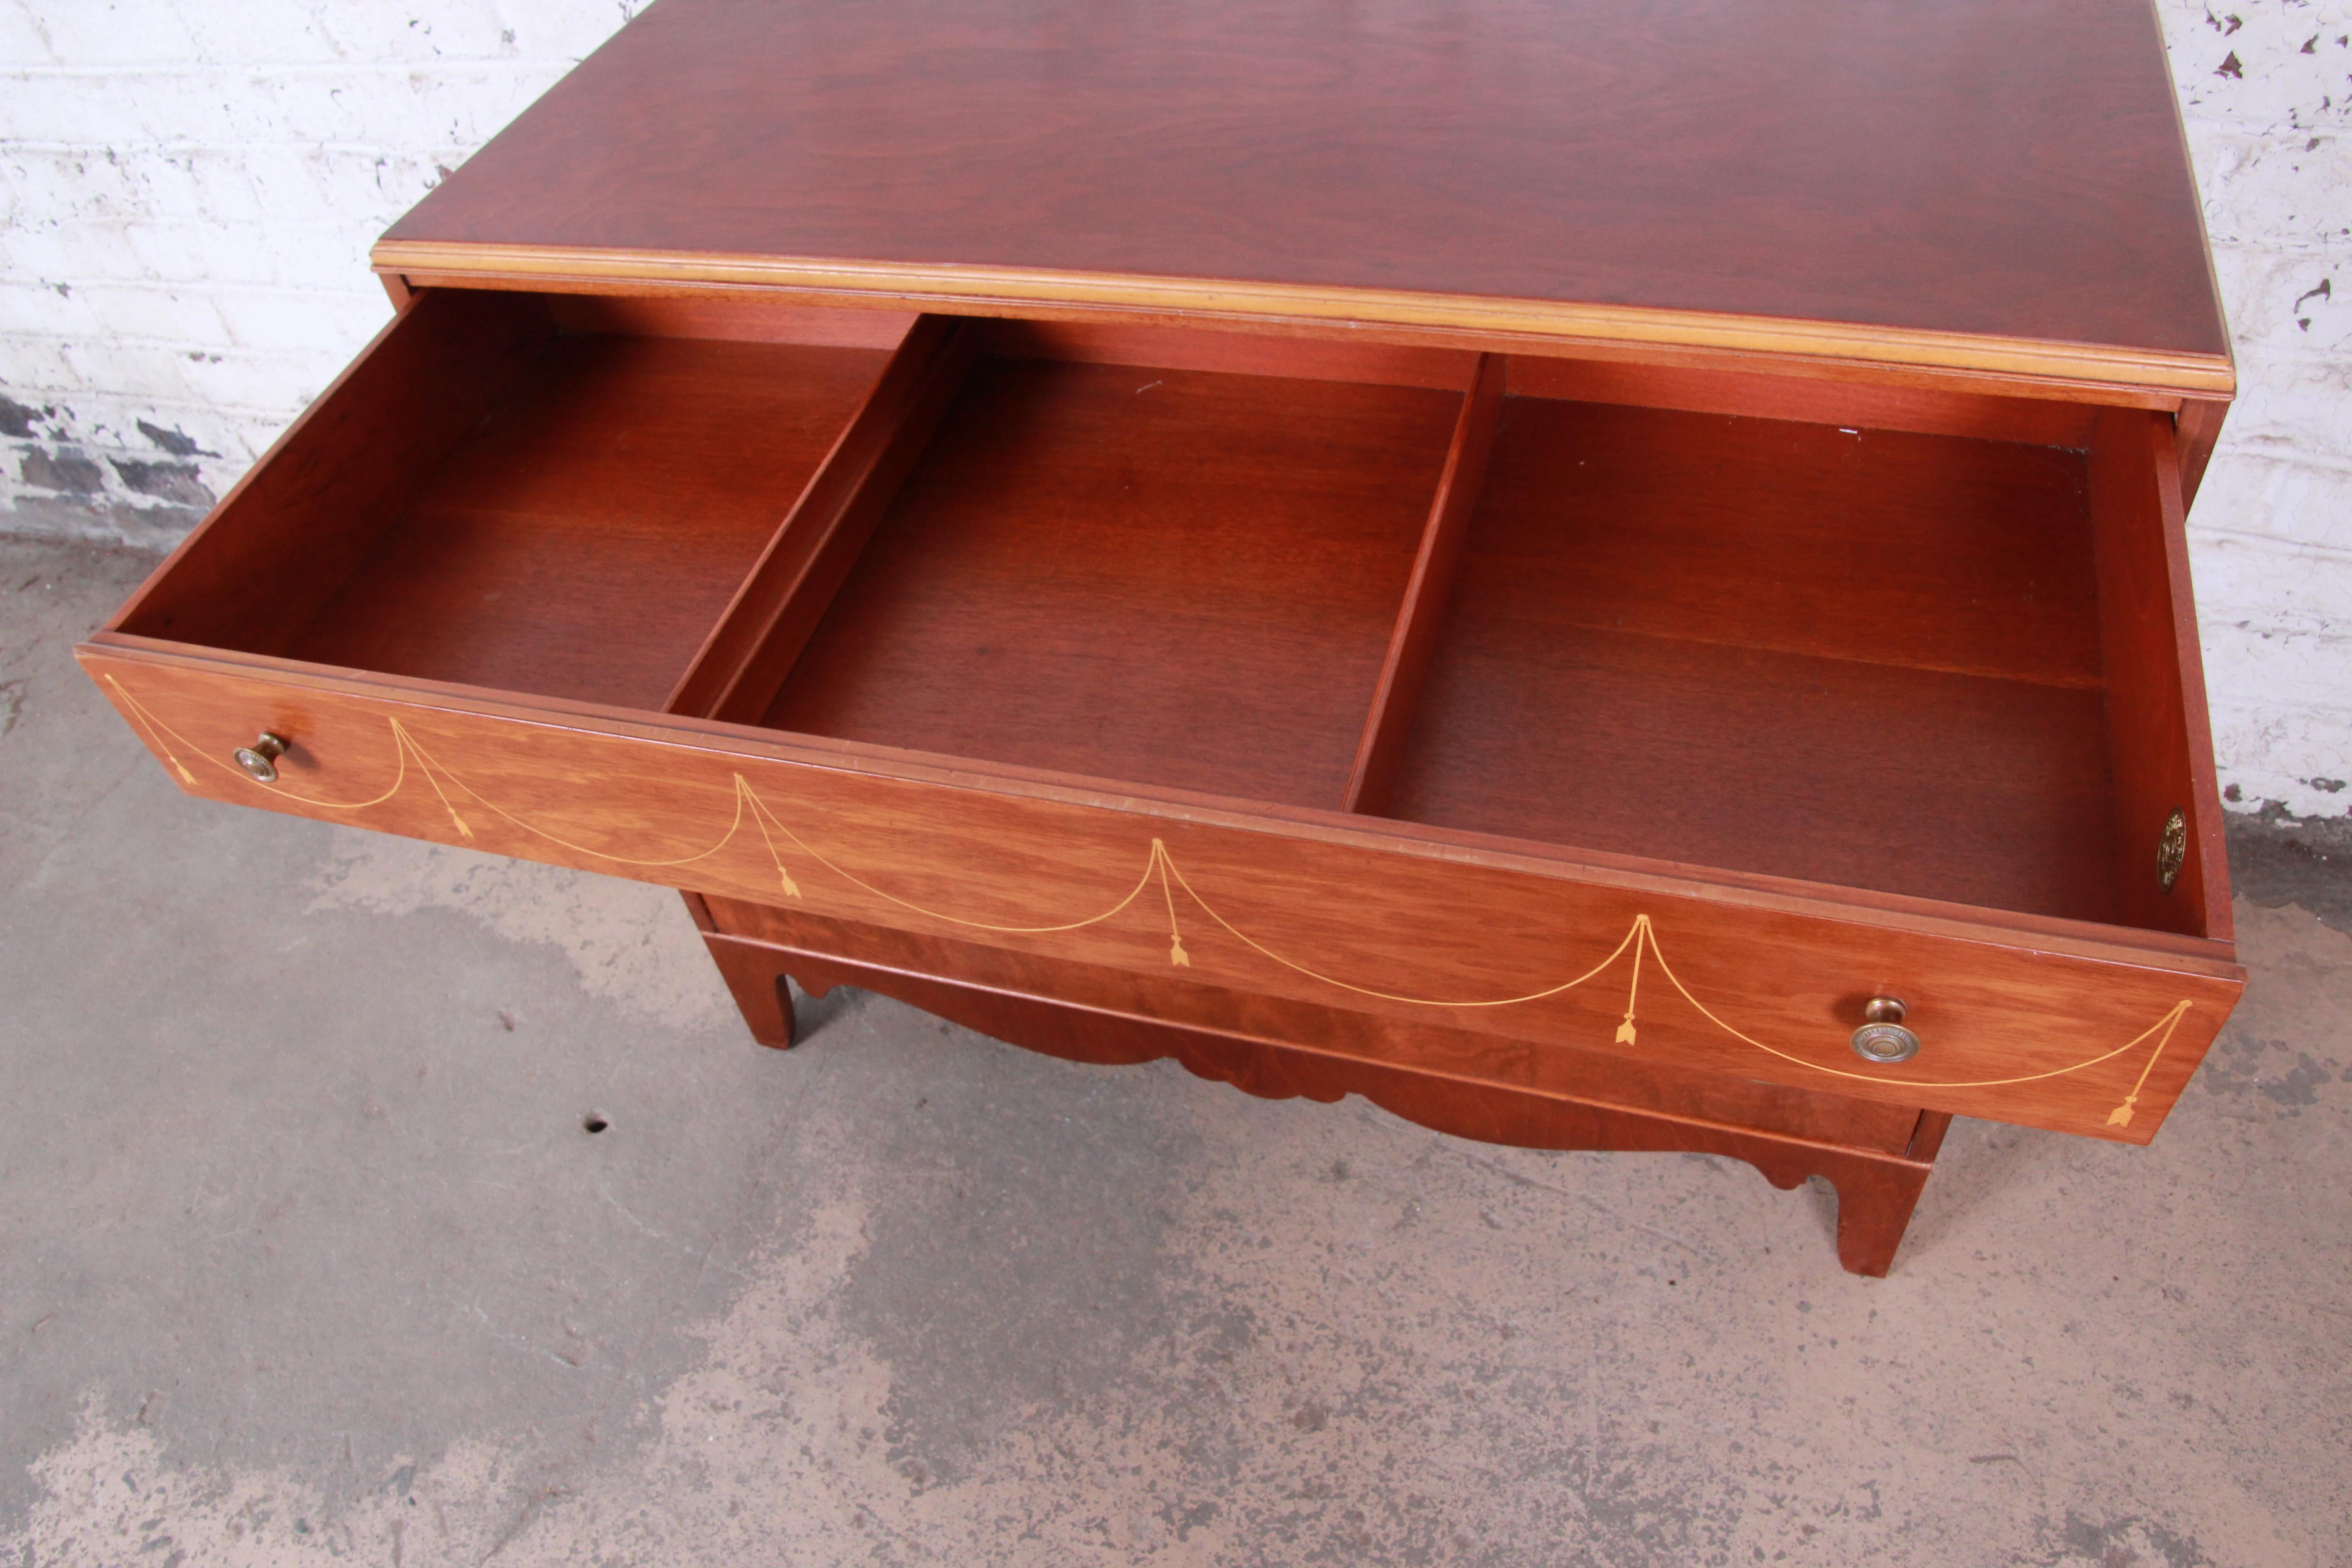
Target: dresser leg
point(1874, 1210)
point(761, 993)
point(1877, 1187)
point(1875, 1200)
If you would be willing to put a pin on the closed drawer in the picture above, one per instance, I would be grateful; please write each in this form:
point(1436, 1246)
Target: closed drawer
point(1571, 710)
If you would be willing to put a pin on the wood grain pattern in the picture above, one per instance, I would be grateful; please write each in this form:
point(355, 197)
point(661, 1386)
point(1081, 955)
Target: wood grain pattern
point(1913, 170)
point(2162, 742)
point(1931, 552)
point(257, 571)
point(1165, 576)
point(1651, 1085)
point(2198, 430)
point(755, 319)
point(1948, 786)
point(1714, 476)
point(585, 539)
point(1764, 391)
point(1234, 353)
point(748, 654)
point(1939, 362)
point(1396, 699)
point(1365, 917)
point(1867, 659)
point(1876, 1188)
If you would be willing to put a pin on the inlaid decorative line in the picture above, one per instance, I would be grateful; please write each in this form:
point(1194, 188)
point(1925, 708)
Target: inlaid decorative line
point(2122, 1114)
point(1641, 924)
point(148, 724)
point(1176, 953)
point(426, 765)
point(1626, 1034)
point(1160, 863)
point(2168, 1024)
point(152, 724)
point(768, 817)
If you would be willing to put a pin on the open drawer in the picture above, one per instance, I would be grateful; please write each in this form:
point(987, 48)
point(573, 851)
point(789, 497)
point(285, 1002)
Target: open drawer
point(1574, 703)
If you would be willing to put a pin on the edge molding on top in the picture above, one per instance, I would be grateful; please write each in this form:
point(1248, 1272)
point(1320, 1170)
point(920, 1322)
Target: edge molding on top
point(2098, 364)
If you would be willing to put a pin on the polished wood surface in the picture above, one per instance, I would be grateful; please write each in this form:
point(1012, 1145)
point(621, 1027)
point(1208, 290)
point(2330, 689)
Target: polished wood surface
point(1912, 168)
point(584, 540)
point(1877, 1157)
point(2052, 1027)
point(1221, 347)
point(1427, 595)
point(1765, 391)
point(1860, 657)
point(1167, 576)
point(754, 646)
point(1521, 561)
point(2162, 742)
point(294, 529)
point(2035, 368)
point(490, 498)
point(1652, 1085)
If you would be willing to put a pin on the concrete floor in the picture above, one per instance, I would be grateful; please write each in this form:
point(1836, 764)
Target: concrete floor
point(305, 1256)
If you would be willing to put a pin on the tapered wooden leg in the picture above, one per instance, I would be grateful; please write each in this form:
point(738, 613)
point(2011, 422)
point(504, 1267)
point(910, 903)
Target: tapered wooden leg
point(1874, 1210)
point(760, 992)
point(1877, 1188)
point(1875, 1200)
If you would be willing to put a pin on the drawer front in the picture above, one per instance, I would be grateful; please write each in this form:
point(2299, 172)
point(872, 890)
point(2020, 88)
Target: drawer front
point(2091, 1040)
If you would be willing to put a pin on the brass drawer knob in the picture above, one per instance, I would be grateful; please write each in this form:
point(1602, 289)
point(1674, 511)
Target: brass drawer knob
point(1882, 1037)
point(259, 760)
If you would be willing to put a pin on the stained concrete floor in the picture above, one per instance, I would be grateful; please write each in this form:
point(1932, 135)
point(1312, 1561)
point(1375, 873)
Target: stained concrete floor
point(305, 1256)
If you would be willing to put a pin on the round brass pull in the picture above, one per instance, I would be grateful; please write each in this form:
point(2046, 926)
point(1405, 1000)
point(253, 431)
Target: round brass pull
point(259, 760)
point(1882, 1037)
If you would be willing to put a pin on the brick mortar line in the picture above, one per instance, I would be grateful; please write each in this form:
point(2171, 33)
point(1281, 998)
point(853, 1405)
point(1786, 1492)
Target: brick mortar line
point(2271, 705)
point(276, 227)
point(271, 420)
point(2269, 631)
point(290, 70)
point(2342, 554)
point(161, 400)
point(124, 149)
point(242, 351)
point(2245, 447)
point(205, 287)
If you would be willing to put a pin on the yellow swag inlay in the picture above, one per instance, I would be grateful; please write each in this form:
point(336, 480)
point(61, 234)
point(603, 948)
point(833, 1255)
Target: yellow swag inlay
point(1159, 864)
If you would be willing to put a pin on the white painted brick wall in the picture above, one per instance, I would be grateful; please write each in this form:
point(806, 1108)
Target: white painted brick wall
point(2266, 93)
point(187, 194)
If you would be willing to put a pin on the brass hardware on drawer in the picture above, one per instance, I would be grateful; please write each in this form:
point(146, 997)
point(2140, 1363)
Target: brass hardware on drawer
point(260, 759)
point(1883, 1037)
point(2172, 851)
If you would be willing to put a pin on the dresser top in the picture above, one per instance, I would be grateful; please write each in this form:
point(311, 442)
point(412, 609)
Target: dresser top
point(1999, 184)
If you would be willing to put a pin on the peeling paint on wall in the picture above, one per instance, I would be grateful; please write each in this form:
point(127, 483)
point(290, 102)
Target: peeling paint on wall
point(187, 195)
point(2266, 98)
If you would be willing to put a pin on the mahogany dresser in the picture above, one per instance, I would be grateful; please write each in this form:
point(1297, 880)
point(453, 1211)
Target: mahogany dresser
point(1603, 575)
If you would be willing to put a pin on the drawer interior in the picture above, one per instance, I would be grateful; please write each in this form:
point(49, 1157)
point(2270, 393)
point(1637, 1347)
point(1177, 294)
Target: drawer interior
point(1917, 643)
point(541, 494)
point(1862, 656)
point(1182, 576)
